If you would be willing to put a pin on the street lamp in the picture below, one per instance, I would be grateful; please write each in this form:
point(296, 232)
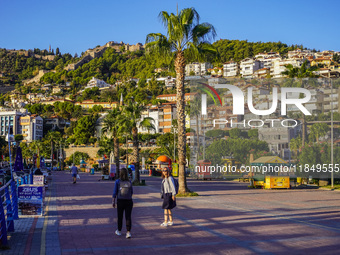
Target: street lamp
point(332, 137)
point(10, 138)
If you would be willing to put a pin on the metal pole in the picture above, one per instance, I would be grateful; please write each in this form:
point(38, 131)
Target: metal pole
point(332, 137)
point(127, 158)
point(174, 145)
point(9, 146)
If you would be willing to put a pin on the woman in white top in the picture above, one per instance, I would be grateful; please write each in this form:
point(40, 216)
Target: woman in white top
point(168, 192)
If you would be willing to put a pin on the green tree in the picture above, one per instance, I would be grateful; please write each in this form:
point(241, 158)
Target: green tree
point(317, 130)
point(85, 129)
point(300, 72)
point(111, 127)
point(77, 156)
point(253, 133)
point(296, 144)
point(235, 133)
point(185, 36)
point(52, 137)
point(130, 120)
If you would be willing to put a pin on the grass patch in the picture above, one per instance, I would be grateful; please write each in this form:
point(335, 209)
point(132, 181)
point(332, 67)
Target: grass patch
point(336, 186)
point(139, 183)
point(187, 194)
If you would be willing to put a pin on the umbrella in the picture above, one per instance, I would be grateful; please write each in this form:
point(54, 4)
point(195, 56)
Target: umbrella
point(132, 167)
point(18, 166)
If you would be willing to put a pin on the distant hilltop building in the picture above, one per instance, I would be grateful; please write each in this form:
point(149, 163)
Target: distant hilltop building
point(98, 52)
point(94, 82)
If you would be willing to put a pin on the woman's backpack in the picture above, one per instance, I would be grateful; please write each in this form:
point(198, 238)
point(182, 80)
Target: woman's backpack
point(125, 190)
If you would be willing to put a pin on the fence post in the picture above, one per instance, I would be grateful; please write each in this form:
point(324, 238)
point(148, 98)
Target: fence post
point(3, 227)
point(14, 200)
point(10, 222)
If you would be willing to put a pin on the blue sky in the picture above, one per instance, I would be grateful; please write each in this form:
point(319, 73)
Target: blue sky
point(76, 25)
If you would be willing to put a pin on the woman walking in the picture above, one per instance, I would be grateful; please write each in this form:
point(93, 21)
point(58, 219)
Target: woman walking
point(168, 191)
point(123, 191)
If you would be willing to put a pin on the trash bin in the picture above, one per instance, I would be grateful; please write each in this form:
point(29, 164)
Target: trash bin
point(92, 170)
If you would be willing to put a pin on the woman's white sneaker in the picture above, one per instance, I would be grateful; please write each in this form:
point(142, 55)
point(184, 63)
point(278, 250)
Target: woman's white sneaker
point(164, 224)
point(170, 223)
point(118, 233)
point(128, 235)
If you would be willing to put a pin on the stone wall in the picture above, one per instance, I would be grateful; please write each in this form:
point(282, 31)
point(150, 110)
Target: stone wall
point(92, 151)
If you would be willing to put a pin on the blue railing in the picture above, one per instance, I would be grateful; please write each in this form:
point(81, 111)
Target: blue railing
point(8, 210)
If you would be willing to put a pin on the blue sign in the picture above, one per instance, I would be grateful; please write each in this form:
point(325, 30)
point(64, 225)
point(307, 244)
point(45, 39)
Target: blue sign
point(30, 192)
point(30, 199)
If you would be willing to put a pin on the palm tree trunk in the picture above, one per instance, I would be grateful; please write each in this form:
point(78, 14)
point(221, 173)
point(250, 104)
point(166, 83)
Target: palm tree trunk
point(116, 155)
point(180, 66)
point(52, 152)
point(135, 154)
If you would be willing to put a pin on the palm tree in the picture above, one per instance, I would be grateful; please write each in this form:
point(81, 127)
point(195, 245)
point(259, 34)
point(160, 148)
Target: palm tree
point(300, 72)
point(296, 144)
point(53, 137)
point(111, 126)
point(319, 129)
point(185, 37)
point(129, 121)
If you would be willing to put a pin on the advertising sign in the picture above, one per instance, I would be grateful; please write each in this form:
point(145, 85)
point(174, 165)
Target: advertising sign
point(38, 180)
point(30, 199)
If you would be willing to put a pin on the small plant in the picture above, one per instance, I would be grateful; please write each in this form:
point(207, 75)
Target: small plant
point(188, 194)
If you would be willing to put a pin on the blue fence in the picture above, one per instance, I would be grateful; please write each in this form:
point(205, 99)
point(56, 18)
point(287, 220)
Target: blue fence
point(8, 210)
point(9, 206)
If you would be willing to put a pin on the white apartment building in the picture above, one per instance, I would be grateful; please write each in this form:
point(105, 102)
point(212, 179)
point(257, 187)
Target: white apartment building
point(31, 127)
point(279, 65)
point(331, 100)
point(248, 66)
point(10, 117)
point(230, 69)
point(300, 53)
point(266, 55)
point(94, 82)
point(314, 105)
point(198, 68)
point(151, 112)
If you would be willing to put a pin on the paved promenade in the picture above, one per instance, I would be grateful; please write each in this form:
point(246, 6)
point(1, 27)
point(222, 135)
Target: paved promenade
point(227, 218)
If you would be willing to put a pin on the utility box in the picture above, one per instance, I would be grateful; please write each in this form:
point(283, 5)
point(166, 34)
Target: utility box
point(277, 182)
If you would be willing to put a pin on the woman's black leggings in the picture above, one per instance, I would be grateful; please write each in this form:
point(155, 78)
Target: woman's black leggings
point(124, 205)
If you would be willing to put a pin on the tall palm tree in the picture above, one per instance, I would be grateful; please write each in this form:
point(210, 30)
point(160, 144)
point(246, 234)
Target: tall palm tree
point(53, 138)
point(130, 120)
point(185, 37)
point(111, 127)
point(296, 144)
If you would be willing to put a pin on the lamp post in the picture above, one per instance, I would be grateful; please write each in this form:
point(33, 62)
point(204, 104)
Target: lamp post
point(10, 138)
point(332, 137)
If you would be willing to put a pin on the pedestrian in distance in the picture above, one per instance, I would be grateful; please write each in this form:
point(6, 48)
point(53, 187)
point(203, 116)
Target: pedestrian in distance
point(168, 193)
point(123, 191)
point(74, 172)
